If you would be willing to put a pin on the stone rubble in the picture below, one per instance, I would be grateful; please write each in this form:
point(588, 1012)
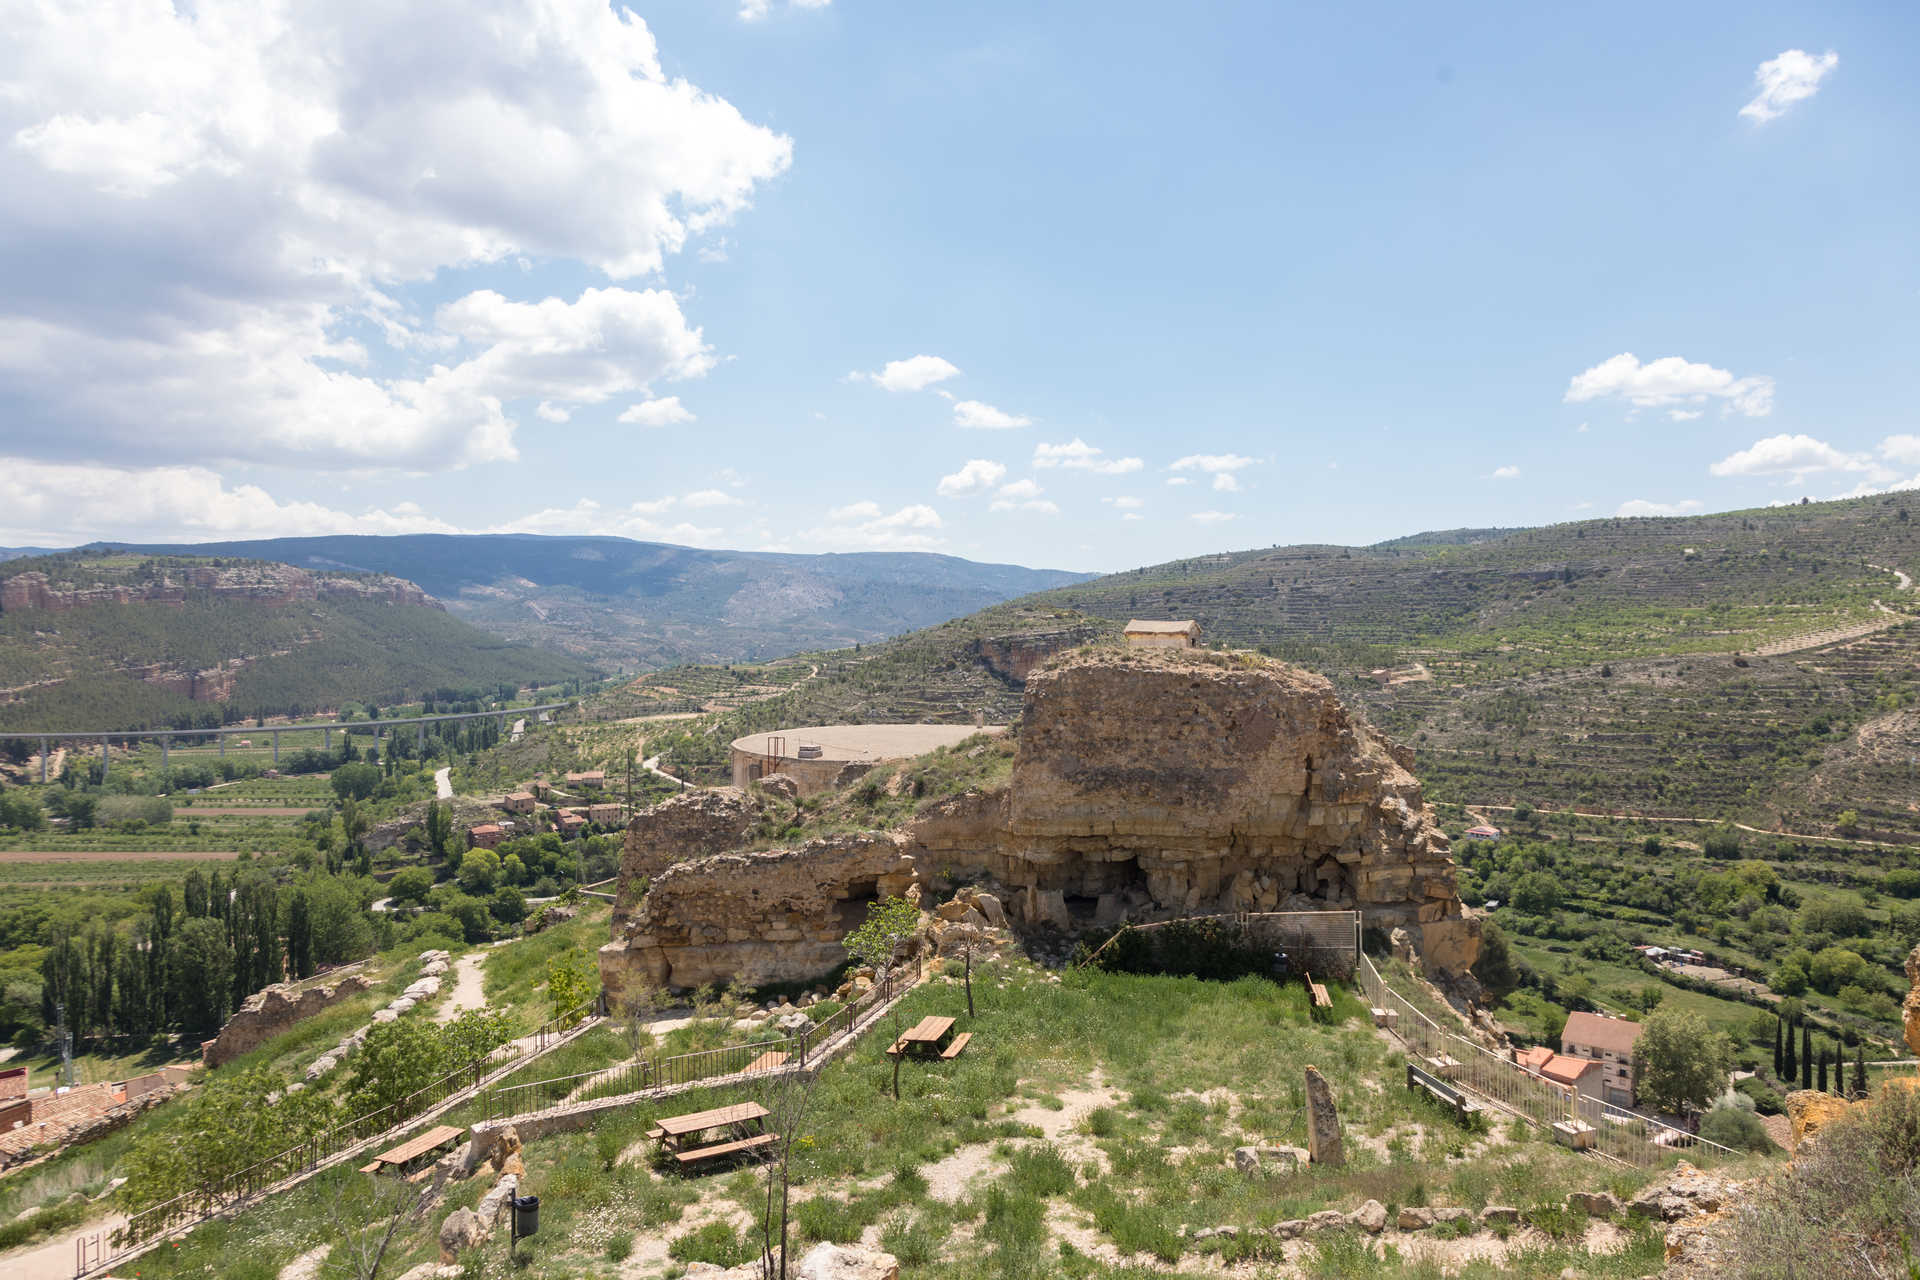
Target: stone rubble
point(433, 964)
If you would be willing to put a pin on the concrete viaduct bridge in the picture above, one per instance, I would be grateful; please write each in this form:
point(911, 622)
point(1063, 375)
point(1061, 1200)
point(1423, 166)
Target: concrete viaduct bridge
point(326, 727)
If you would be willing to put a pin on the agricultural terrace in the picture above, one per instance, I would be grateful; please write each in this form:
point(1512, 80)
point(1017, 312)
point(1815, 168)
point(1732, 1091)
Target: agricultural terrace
point(1088, 1130)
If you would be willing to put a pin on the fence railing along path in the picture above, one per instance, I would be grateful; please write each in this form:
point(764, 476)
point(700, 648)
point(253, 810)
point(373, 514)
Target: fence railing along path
point(654, 1076)
point(152, 1226)
point(1619, 1132)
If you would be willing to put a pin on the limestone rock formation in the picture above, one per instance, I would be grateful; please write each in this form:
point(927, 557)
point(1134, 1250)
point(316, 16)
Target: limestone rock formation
point(268, 1012)
point(755, 917)
point(1911, 1009)
point(693, 824)
point(461, 1231)
point(1147, 784)
point(1323, 1122)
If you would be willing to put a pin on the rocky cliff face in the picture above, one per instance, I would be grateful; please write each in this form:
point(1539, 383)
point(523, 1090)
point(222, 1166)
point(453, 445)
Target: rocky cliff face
point(272, 1010)
point(1013, 657)
point(264, 583)
point(1148, 784)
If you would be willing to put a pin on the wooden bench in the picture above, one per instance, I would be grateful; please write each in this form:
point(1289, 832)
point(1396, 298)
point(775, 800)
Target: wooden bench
point(1446, 1095)
point(1317, 994)
point(718, 1149)
point(952, 1051)
point(433, 1140)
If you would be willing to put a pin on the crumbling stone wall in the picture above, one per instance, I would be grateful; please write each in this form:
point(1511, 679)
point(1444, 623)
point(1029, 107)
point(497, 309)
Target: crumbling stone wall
point(692, 824)
point(755, 917)
point(272, 1010)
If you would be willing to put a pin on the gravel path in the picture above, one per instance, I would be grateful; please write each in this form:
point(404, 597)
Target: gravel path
point(53, 1259)
point(443, 783)
point(467, 990)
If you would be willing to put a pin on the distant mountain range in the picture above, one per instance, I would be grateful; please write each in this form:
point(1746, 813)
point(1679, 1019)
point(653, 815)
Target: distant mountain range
point(635, 604)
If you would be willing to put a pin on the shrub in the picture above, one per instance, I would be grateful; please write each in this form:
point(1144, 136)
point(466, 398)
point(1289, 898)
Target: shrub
point(716, 1242)
point(1737, 1128)
point(619, 1245)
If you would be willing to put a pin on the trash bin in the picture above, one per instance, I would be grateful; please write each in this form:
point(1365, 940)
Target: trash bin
point(526, 1216)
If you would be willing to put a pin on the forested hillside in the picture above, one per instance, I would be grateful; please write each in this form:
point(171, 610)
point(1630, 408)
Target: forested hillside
point(195, 656)
point(641, 604)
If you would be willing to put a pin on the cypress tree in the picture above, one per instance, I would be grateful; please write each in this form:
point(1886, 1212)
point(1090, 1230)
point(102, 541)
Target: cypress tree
point(1859, 1072)
point(1820, 1076)
point(1791, 1063)
point(1806, 1056)
point(1778, 1061)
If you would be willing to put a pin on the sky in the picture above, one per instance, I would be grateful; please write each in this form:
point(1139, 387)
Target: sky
point(1067, 285)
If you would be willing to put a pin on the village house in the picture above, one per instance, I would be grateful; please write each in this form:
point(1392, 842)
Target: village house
point(570, 824)
point(590, 778)
point(1482, 832)
point(606, 815)
point(1608, 1042)
point(486, 835)
point(1582, 1075)
point(518, 802)
point(1162, 635)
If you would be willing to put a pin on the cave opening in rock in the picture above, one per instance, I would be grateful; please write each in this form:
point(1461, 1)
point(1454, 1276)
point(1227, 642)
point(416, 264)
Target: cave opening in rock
point(851, 911)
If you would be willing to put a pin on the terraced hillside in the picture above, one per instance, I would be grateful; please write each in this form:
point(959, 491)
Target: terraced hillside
point(1754, 665)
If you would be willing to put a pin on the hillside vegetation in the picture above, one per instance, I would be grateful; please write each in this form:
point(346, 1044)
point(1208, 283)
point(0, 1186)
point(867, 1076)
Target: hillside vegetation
point(135, 665)
point(641, 604)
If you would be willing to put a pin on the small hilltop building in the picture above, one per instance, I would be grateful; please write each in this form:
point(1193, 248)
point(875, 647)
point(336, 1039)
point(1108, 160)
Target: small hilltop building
point(1163, 635)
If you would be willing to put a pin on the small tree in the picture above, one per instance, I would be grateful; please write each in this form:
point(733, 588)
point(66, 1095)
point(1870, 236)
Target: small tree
point(1679, 1061)
point(572, 980)
point(889, 922)
point(1859, 1087)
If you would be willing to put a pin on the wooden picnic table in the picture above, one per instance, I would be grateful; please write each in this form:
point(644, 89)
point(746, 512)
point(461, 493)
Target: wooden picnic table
point(931, 1037)
point(413, 1148)
point(741, 1120)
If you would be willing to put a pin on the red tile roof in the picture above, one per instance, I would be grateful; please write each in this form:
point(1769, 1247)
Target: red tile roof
point(1616, 1035)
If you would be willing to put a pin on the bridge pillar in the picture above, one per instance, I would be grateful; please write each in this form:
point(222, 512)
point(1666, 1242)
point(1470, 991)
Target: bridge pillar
point(221, 738)
point(420, 738)
point(276, 748)
point(43, 762)
point(165, 741)
point(326, 740)
point(103, 759)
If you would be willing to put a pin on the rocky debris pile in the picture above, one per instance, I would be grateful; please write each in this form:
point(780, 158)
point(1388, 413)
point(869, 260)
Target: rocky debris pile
point(1372, 1217)
point(272, 1010)
point(1684, 1192)
point(433, 964)
point(822, 1262)
point(1283, 1159)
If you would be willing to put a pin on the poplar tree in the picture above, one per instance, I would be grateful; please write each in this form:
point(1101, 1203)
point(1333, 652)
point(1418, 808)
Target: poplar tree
point(1859, 1072)
point(1820, 1076)
point(1806, 1056)
point(1778, 1061)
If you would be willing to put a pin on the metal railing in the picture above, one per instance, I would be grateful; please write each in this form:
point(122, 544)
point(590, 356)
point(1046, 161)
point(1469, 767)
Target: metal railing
point(650, 1072)
point(1616, 1131)
point(224, 1194)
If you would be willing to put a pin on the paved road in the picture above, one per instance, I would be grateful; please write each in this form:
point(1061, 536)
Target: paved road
point(443, 783)
point(52, 1260)
point(652, 766)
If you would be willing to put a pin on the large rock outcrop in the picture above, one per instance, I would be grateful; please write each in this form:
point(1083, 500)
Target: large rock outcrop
point(1148, 784)
point(1910, 1010)
point(272, 1010)
point(693, 824)
point(755, 917)
point(1154, 783)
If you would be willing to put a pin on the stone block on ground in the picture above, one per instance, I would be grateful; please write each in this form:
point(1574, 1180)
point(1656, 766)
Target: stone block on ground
point(1323, 1122)
point(1370, 1217)
point(461, 1231)
point(1595, 1204)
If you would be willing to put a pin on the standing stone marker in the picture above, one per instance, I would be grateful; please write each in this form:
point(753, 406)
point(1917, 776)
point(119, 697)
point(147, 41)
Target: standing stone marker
point(1323, 1122)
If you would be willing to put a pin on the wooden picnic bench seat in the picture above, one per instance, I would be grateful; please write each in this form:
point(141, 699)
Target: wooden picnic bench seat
point(406, 1153)
point(1455, 1100)
point(1321, 1000)
point(952, 1051)
point(719, 1149)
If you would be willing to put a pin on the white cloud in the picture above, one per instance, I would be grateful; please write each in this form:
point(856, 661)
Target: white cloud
point(1789, 455)
point(1179, 480)
point(915, 373)
point(1042, 506)
point(867, 526)
point(211, 214)
point(1078, 455)
point(657, 413)
point(635, 520)
point(1506, 473)
point(1674, 384)
point(1211, 517)
point(755, 10)
point(1902, 450)
point(1225, 482)
point(50, 502)
point(1023, 488)
point(1213, 463)
point(1581, 427)
point(973, 413)
point(1132, 515)
point(1125, 503)
point(548, 411)
point(710, 498)
point(1792, 77)
point(977, 476)
point(1641, 507)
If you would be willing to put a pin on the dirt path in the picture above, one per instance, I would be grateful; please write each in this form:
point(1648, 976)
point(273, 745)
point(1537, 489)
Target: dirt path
point(52, 1259)
point(468, 991)
point(113, 855)
point(1709, 822)
point(443, 783)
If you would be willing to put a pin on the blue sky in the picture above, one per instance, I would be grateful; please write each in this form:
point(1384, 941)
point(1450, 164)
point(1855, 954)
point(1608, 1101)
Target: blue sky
point(1077, 286)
